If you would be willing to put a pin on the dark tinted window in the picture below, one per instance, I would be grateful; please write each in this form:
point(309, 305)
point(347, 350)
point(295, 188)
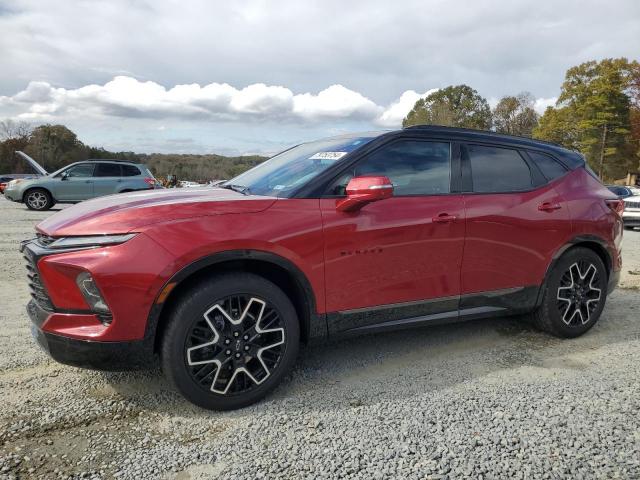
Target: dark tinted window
point(548, 166)
point(130, 171)
point(414, 168)
point(107, 170)
point(495, 169)
point(84, 170)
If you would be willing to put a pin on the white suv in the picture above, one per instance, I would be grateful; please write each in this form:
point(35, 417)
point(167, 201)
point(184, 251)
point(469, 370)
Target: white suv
point(631, 214)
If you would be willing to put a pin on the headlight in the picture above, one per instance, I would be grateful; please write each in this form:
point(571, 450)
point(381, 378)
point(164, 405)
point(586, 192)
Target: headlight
point(91, 241)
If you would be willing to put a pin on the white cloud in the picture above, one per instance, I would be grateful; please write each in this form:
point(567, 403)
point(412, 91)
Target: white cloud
point(541, 104)
point(334, 102)
point(395, 113)
point(128, 97)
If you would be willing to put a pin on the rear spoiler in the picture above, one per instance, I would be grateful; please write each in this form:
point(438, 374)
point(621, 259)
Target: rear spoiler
point(35, 165)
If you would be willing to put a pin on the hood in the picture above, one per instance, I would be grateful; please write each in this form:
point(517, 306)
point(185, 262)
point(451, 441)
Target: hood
point(128, 212)
point(35, 165)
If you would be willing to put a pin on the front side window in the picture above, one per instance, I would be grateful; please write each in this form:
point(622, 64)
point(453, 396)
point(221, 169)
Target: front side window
point(84, 170)
point(495, 169)
point(414, 167)
point(107, 170)
point(296, 167)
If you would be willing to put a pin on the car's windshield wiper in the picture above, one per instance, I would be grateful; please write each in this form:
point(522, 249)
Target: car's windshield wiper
point(236, 188)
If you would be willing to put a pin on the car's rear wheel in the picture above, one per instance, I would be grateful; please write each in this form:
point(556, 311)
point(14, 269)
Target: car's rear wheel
point(230, 340)
point(574, 294)
point(38, 199)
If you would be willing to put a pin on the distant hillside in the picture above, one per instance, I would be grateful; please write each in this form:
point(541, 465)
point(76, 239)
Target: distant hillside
point(54, 146)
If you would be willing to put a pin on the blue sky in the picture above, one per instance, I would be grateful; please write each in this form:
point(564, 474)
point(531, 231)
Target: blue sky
point(253, 76)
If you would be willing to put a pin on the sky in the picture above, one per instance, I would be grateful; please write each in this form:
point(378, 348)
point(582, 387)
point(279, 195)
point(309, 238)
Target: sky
point(255, 76)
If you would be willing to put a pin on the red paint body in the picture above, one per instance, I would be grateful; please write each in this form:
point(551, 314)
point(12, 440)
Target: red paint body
point(400, 249)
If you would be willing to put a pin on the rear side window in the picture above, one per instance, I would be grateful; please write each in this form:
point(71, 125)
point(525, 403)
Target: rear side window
point(549, 167)
point(414, 168)
point(107, 170)
point(130, 171)
point(495, 169)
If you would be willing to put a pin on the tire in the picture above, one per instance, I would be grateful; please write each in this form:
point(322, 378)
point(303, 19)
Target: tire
point(574, 294)
point(220, 375)
point(38, 199)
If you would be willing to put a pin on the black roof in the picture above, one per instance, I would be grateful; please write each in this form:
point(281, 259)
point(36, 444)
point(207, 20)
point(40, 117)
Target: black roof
point(570, 157)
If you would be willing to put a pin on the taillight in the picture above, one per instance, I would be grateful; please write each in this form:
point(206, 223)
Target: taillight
point(616, 205)
point(150, 181)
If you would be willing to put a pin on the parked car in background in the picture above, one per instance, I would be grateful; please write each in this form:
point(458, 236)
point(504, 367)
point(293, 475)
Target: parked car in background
point(38, 171)
point(341, 236)
point(631, 214)
point(189, 184)
point(621, 191)
point(81, 181)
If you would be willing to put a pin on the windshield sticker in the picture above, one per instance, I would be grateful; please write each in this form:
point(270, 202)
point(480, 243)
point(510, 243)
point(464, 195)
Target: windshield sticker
point(327, 155)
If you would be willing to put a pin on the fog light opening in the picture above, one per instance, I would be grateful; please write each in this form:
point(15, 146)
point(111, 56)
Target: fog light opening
point(92, 295)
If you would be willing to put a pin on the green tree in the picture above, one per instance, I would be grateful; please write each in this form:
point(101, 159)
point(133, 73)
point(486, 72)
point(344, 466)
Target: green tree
point(593, 115)
point(55, 146)
point(454, 106)
point(515, 115)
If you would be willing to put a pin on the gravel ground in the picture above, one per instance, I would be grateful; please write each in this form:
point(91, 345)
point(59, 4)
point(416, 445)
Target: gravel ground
point(486, 399)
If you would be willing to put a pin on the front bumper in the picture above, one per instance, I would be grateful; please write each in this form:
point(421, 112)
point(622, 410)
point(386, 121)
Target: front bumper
point(13, 194)
point(115, 356)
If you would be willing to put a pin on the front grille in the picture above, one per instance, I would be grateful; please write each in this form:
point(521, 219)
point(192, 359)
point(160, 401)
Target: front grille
point(44, 240)
point(38, 292)
point(631, 204)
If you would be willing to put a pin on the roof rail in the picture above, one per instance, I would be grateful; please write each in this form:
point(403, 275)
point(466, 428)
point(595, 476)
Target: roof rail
point(480, 132)
point(109, 160)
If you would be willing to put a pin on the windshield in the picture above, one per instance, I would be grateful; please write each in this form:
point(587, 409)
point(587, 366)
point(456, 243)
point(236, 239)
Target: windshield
point(297, 166)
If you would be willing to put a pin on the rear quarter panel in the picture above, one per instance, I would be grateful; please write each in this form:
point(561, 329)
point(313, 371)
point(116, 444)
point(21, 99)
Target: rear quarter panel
point(591, 217)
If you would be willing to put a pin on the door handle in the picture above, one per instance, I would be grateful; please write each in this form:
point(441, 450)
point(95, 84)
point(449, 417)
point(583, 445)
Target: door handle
point(549, 207)
point(443, 218)
point(88, 181)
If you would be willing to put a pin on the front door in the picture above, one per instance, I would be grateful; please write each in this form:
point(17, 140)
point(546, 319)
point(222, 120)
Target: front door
point(397, 258)
point(75, 183)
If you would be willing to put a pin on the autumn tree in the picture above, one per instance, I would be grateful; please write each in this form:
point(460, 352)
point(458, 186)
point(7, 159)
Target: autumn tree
point(515, 115)
point(593, 115)
point(54, 146)
point(454, 106)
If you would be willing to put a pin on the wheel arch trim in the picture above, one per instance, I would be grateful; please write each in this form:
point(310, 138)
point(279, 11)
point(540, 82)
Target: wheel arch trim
point(313, 324)
point(575, 242)
point(33, 187)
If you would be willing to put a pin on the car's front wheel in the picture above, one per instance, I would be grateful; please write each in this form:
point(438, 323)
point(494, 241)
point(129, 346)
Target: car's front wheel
point(38, 199)
point(574, 294)
point(230, 340)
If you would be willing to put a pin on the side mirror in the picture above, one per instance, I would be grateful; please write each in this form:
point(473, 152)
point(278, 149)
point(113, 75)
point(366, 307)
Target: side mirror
point(363, 190)
point(64, 175)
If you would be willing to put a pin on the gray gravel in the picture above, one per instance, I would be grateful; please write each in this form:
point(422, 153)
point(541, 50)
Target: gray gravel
point(486, 399)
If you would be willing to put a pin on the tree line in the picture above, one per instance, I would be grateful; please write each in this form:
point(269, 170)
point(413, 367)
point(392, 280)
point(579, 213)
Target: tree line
point(54, 146)
point(597, 113)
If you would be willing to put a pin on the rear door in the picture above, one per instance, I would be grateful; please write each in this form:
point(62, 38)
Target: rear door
point(75, 183)
point(396, 258)
point(515, 221)
point(107, 176)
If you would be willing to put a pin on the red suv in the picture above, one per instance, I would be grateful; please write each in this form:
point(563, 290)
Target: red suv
point(346, 235)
